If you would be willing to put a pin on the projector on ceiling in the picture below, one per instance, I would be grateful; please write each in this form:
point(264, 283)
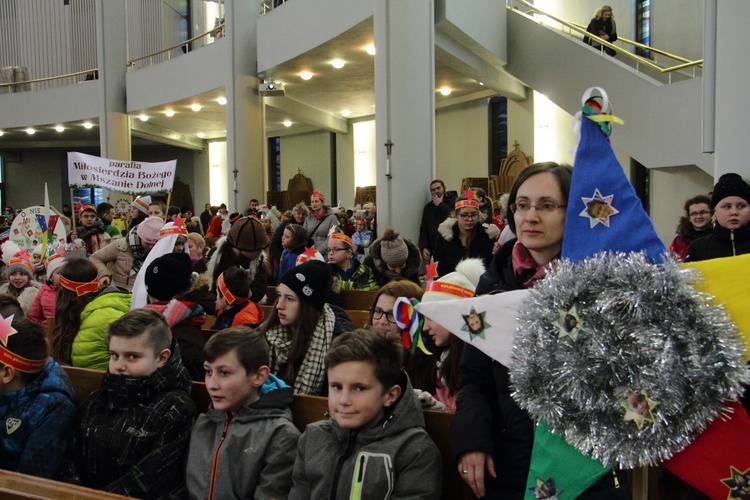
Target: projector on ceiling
point(271, 89)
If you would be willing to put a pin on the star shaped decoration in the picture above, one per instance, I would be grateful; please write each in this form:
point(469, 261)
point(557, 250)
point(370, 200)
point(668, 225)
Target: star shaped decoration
point(569, 323)
point(469, 194)
point(178, 222)
point(331, 231)
point(431, 271)
point(545, 489)
point(638, 408)
point(738, 483)
point(6, 330)
point(310, 252)
point(475, 324)
point(598, 208)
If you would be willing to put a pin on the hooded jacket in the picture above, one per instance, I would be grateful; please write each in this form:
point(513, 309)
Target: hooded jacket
point(37, 421)
point(357, 277)
point(132, 435)
point(221, 260)
point(394, 459)
point(246, 455)
point(44, 305)
point(91, 345)
point(449, 251)
point(26, 297)
point(317, 229)
point(116, 261)
point(382, 274)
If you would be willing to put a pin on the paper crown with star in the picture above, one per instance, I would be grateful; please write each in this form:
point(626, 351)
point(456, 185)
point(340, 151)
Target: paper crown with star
point(468, 199)
point(10, 358)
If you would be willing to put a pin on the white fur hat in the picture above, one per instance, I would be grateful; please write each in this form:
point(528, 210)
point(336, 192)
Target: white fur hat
point(461, 283)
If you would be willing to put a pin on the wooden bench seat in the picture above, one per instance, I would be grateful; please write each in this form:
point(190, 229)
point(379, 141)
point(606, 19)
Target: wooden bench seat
point(14, 485)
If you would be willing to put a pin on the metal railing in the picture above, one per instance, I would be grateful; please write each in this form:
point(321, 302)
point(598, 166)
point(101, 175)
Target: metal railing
point(637, 60)
point(216, 32)
point(93, 71)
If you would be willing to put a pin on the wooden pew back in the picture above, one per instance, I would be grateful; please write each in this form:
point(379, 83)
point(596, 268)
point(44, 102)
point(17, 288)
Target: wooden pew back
point(14, 486)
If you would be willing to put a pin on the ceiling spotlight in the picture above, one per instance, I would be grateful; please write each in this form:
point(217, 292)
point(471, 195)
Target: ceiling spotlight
point(482, 84)
point(346, 113)
point(222, 100)
point(305, 75)
point(337, 63)
point(143, 118)
point(370, 49)
point(30, 131)
point(201, 135)
point(445, 91)
point(2, 133)
point(169, 113)
point(271, 89)
point(195, 107)
point(88, 125)
point(287, 123)
point(59, 128)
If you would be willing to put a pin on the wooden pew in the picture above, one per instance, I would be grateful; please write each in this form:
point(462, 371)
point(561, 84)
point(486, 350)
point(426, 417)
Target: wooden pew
point(306, 410)
point(14, 485)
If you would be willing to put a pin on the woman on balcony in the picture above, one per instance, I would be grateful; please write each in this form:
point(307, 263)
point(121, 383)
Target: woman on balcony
point(602, 25)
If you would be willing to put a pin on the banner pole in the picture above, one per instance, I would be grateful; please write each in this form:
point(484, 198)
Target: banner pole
point(72, 211)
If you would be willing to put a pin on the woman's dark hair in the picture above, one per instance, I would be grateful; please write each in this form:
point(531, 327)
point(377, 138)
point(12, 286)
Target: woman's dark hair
point(562, 173)
point(449, 371)
point(68, 308)
point(300, 333)
point(299, 235)
point(701, 198)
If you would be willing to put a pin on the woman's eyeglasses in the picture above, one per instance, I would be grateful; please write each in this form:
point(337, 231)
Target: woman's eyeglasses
point(702, 213)
point(377, 313)
point(523, 207)
point(469, 216)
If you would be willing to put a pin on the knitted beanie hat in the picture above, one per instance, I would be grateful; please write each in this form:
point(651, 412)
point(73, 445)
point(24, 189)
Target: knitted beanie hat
point(393, 249)
point(142, 203)
point(248, 236)
point(461, 283)
point(310, 281)
point(168, 275)
point(730, 185)
point(53, 262)
point(20, 263)
point(148, 230)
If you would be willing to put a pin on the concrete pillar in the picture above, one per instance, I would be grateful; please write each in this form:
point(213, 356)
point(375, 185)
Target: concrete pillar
point(404, 111)
point(245, 118)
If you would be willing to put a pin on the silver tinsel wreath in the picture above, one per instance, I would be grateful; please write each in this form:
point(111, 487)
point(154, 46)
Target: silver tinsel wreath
point(640, 327)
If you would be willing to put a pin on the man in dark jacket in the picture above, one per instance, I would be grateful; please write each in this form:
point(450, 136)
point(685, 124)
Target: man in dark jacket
point(433, 214)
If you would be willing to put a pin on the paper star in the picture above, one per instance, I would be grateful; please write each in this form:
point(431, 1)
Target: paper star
point(469, 194)
point(638, 408)
point(178, 222)
point(332, 230)
point(310, 252)
point(431, 271)
point(598, 208)
point(6, 330)
point(545, 489)
point(569, 323)
point(738, 483)
point(475, 324)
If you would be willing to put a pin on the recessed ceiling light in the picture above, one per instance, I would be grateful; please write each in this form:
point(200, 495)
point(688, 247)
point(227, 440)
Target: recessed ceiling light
point(2, 133)
point(59, 128)
point(482, 84)
point(143, 118)
point(88, 125)
point(222, 100)
point(345, 112)
point(195, 107)
point(30, 131)
point(169, 112)
point(305, 75)
point(201, 135)
point(287, 123)
point(370, 49)
point(445, 91)
point(337, 63)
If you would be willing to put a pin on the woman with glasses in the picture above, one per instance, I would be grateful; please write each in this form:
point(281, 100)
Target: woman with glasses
point(731, 234)
point(491, 436)
point(463, 236)
point(695, 224)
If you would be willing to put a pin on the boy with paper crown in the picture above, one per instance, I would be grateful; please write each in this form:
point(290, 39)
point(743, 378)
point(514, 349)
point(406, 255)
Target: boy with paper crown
point(351, 274)
point(37, 402)
point(233, 308)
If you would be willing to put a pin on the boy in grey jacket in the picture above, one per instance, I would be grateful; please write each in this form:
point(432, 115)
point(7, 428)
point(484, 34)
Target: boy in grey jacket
point(244, 446)
point(375, 445)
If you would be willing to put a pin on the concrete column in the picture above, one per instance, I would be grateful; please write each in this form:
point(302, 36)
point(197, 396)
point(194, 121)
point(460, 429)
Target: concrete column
point(111, 43)
point(245, 118)
point(404, 111)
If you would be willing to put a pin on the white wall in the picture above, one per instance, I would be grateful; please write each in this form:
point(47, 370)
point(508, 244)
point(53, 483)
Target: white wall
point(461, 143)
point(677, 184)
point(677, 27)
point(345, 168)
point(311, 154)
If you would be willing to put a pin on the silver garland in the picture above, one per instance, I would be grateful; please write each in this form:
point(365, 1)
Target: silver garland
point(643, 327)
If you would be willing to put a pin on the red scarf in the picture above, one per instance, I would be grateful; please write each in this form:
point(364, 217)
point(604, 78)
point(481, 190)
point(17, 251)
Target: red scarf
point(322, 214)
point(526, 270)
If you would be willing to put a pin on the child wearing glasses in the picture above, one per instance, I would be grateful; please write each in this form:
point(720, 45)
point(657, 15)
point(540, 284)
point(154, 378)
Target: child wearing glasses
point(694, 224)
point(464, 235)
point(350, 273)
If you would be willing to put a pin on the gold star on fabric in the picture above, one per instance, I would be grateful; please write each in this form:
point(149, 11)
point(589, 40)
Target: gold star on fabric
point(638, 408)
point(738, 483)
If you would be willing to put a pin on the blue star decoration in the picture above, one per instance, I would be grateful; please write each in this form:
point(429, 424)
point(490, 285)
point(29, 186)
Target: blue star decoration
point(598, 208)
point(638, 408)
point(738, 483)
point(569, 323)
point(545, 489)
point(475, 324)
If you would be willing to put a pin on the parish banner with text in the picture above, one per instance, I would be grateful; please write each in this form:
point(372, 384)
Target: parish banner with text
point(131, 177)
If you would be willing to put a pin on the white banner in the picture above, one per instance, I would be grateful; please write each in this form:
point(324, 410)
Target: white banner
point(131, 177)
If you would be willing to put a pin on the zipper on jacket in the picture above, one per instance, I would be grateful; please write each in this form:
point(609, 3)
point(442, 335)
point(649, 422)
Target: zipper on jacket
point(215, 464)
point(614, 478)
point(731, 238)
point(340, 463)
point(357, 490)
